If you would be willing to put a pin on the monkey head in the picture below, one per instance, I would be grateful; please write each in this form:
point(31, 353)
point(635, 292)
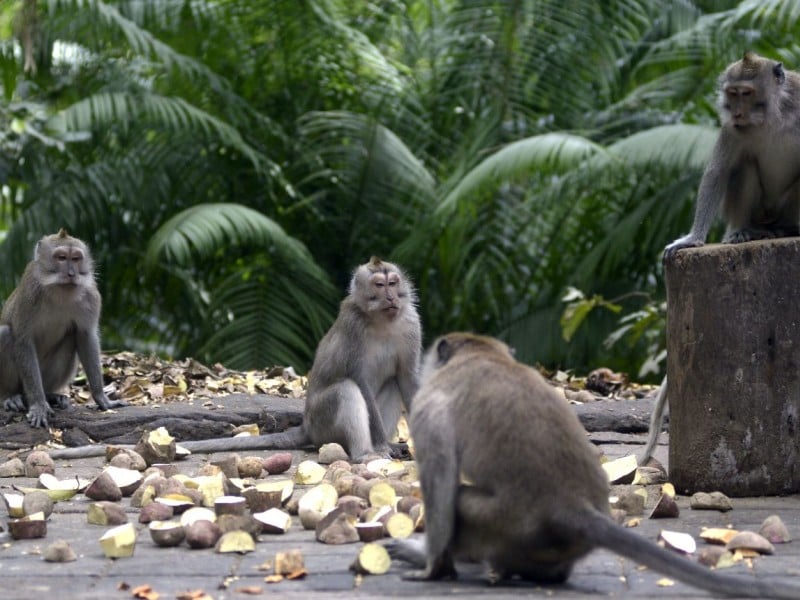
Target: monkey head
point(381, 289)
point(63, 260)
point(750, 92)
point(446, 347)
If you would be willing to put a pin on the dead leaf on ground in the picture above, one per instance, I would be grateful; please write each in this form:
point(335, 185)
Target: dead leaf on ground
point(145, 592)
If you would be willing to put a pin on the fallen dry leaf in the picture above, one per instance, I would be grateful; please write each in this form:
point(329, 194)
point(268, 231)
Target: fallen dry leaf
point(145, 592)
point(193, 595)
point(251, 590)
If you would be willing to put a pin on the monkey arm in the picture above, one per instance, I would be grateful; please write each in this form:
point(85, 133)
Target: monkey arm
point(709, 197)
point(89, 354)
point(377, 430)
point(439, 470)
point(408, 382)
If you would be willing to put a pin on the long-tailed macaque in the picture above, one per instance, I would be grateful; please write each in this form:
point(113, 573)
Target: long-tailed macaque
point(365, 369)
point(509, 478)
point(754, 172)
point(48, 322)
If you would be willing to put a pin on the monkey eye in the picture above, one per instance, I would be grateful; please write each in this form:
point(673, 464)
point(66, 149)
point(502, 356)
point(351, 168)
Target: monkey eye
point(61, 257)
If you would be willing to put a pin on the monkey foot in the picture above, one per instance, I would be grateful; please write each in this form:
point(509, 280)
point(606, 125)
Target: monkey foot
point(399, 450)
point(111, 404)
point(15, 404)
point(58, 401)
point(751, 233)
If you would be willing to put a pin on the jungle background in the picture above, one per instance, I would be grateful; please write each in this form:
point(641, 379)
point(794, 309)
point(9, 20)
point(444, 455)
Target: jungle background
point(230, 162)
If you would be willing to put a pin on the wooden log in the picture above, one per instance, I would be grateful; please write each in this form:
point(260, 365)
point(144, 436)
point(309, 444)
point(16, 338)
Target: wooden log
point(733, 364)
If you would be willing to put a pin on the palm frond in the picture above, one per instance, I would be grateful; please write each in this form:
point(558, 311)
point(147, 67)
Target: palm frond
point(670, 146)
point(552, 152)
point(200, 232)
point(122, 109)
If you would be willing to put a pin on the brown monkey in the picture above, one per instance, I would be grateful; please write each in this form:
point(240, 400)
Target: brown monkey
point(365, 369)
point(48, 322)
point(754, 170)
point(490, 436)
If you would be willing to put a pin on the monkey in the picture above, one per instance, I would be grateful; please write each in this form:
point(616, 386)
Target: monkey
point(367, 365)
point(656, 422)
point(365, 369)
point(754, 171)
point(491, 435)
point(47, 323)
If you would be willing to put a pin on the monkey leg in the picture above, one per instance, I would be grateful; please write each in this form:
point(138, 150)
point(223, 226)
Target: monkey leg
point(339, 414)
point(526, 548)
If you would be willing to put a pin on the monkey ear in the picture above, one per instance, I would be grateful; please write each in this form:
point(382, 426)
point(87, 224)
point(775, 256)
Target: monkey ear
point(779, 73)
point(443, 351)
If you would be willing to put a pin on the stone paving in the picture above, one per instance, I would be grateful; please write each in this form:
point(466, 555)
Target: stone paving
point(170, 571)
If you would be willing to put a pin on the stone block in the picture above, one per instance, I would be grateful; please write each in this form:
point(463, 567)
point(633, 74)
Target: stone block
point(733, 364)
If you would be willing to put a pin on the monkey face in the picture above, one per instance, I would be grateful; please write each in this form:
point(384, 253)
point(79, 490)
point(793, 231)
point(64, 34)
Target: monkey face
point(742, 106)
point(65, 264)
point(385, 294)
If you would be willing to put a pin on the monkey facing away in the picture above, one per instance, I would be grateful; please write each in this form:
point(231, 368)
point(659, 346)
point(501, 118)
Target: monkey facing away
point(492, 436)
point(365, 369)
point(48, 322)
point(754, 171)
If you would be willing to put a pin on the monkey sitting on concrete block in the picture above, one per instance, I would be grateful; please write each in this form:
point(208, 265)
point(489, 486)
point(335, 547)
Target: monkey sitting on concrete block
point(48, 322)
point(509, 478)
point(754, 171)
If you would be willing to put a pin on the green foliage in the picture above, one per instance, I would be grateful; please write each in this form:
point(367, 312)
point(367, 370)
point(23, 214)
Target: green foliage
point(230, 163)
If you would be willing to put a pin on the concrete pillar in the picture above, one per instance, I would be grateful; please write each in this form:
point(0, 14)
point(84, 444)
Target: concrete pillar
point(733, 354)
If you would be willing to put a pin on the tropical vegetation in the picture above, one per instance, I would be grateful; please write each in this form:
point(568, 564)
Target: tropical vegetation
point(231, 161)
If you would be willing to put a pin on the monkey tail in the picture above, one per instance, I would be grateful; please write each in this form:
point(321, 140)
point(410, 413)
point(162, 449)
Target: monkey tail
point(292, 438)
point(601, 531)
point(656, 423)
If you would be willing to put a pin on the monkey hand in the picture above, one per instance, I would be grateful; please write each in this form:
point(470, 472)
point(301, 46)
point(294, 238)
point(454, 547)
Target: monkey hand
point(39, 413)
point(687, 241)
point(103, 402)
point(440, 569)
